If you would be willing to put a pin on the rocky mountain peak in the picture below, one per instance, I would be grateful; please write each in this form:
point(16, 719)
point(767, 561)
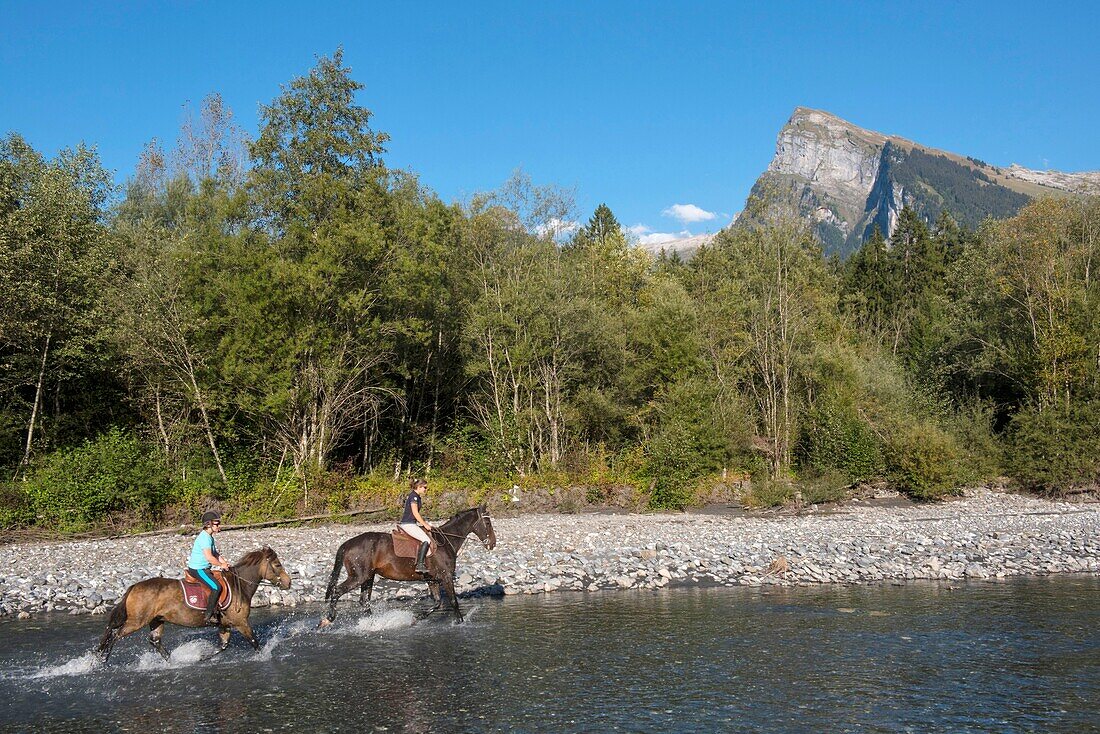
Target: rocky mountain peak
point(846, 179)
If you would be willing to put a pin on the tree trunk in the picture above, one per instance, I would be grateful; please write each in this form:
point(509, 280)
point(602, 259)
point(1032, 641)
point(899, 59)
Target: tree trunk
point(37, 401)
point(206, 420)
point(160, 426)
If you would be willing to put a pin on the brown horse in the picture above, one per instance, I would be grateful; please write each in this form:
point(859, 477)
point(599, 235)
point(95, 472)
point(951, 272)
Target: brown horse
point(158, 600)
point(372, 553)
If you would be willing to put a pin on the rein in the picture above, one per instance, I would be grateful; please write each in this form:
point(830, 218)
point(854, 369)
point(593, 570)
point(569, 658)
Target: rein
point(255, 584)
point(480, 517)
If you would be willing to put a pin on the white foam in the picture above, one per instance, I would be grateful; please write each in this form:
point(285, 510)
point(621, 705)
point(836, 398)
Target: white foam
point(389, 620)
point(292, 630)
point(85, 663)
point(182, 656)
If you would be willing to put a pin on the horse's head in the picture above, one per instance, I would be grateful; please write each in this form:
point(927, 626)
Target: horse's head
point(484, 528)
point(271, 569)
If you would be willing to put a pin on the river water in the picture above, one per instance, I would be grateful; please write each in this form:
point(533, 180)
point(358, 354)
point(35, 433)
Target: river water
point(1019, 655)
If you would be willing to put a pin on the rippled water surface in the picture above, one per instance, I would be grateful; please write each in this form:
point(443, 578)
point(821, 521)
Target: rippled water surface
point(1021, 655)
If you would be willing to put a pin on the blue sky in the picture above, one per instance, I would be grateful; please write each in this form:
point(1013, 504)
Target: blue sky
point(641, 105)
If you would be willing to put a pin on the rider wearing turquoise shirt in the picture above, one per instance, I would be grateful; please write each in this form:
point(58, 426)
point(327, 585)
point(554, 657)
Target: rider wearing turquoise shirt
point(204, 554)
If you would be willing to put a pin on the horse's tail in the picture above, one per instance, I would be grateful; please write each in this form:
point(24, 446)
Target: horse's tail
point(114, 624)
point(336, 566)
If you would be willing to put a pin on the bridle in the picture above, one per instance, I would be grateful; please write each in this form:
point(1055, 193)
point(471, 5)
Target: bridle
point(275, 565)
point(482, 520)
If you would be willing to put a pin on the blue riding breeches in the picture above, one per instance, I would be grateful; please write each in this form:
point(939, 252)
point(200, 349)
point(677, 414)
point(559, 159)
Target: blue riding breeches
point(208, 579)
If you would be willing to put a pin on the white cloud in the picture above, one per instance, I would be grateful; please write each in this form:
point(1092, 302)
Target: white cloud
point(661, 238)
point(557, 228)
point(688, 213)
point(648, 238)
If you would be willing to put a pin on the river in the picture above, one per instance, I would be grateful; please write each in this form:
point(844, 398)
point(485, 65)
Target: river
point(1018, 655)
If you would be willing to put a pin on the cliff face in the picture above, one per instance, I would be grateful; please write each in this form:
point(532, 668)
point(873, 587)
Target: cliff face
point(846, 180)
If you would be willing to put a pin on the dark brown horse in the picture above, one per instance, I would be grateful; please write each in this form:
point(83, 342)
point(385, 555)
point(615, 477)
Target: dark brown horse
point(369, 554)
point(158, 600)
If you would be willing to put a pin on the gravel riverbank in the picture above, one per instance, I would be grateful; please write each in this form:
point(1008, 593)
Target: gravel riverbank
point(982, 535)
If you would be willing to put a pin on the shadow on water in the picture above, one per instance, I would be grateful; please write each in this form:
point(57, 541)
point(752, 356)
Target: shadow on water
point(1022, 655)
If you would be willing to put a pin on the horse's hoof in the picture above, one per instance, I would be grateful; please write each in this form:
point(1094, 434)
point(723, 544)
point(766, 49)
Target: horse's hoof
point(323, 623)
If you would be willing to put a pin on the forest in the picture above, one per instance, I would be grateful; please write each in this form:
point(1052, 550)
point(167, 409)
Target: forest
point(285, 325)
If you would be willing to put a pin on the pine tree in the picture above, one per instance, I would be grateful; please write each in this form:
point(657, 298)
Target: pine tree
point(602, 229)
point(315, 147)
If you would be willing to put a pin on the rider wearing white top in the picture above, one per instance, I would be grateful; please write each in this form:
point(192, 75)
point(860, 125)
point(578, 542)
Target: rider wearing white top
point(413, 523)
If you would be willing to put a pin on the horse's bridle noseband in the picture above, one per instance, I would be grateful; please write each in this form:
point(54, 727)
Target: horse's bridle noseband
point(482, 517)
point(275, 564)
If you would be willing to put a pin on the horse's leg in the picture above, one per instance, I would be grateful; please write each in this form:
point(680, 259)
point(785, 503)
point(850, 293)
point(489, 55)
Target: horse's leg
point(223, 638)
point(433, 589)
point(449, 585)
point(156, 629)
point(365, 591)
point(246, 629)
point(349, 583)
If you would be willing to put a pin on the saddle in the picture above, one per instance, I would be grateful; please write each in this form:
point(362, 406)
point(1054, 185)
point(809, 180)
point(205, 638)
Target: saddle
point(406, 546)
point(196, 593)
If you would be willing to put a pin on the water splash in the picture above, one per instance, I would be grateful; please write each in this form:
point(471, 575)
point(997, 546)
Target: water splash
point(181, 656)
point(79, 665)
point(281, 635)
point(388, 620)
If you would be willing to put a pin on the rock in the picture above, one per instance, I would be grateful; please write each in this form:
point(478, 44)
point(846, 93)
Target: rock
point(982, 533)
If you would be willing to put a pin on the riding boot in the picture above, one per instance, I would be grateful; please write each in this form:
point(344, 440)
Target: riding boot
point(213, 616)
point(421, 556)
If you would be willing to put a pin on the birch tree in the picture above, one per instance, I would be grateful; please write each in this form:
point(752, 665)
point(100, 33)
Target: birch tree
point(54, 250)
point(787, 303)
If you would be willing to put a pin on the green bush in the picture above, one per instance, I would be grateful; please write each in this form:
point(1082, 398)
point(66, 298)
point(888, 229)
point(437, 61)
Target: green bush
point(15, 507)
point(834, 439)
point(768, 493)
point(982, 454)
point(1054, 450)
point(116, 472)
point(693, 437)
point(674, 462)
point(466, 455)
point(923, 461)
point(829, 487)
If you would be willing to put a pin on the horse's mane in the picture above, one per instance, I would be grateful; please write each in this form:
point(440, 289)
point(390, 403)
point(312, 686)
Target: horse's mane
point(252, 558)
point(462, 515)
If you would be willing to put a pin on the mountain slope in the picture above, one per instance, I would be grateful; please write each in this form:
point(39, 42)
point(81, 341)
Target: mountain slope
point(846, 180)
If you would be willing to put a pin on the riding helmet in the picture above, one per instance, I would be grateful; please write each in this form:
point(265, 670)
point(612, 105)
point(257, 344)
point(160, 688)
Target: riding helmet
point(209, 517)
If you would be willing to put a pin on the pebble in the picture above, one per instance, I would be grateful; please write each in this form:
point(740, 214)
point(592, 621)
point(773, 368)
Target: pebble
point(984, 535)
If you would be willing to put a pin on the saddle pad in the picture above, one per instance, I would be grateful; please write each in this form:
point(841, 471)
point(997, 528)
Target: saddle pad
point(195, 594)
point(406, 546)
